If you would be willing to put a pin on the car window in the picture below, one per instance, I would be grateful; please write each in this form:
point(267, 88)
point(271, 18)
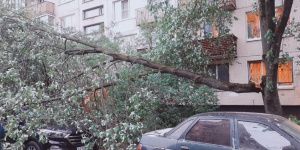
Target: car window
point(210, 131)
point(179, 131)
point(259, 136)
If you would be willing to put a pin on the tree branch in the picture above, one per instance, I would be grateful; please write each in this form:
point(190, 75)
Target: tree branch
point(197, 78)
point(282, 22)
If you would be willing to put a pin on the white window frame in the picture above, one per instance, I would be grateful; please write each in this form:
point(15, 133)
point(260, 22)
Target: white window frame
point(91, 9)
point(247, 35)
point(72, 24)
point(85, 1)
point(125, 10)
point(92, 25)
point(64, 1)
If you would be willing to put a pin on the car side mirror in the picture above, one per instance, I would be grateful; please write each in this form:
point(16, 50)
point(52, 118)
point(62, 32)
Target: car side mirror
point(291, 147)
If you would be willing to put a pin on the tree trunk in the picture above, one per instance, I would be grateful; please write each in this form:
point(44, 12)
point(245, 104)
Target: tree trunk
point(271, 33)
point(270, 92)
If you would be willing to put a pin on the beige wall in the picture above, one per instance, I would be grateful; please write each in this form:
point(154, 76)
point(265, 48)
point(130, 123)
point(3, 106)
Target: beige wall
point(251, 51)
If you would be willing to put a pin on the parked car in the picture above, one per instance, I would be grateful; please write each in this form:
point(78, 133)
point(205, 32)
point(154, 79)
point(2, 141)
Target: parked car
point(226, 131)
point(59, 138)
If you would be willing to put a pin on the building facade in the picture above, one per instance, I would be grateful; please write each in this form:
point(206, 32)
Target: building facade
point(125, 16)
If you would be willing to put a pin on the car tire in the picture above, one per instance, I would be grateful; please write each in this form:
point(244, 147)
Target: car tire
point(32, 145)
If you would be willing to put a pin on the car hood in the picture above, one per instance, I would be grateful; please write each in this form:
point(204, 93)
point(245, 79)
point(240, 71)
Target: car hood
point(160, 132)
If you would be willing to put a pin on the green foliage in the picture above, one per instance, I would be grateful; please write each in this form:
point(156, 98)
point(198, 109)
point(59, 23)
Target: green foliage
point(270, 86)
point(41, 85)
point(270, 55)
point(294, 119)
point(180, 28)
point(270, 36)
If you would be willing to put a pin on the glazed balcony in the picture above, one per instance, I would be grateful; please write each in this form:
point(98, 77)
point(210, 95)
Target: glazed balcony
point(43, 8)
point(221, 47)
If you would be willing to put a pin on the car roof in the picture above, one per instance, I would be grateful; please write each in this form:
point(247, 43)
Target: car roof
point(245, 115)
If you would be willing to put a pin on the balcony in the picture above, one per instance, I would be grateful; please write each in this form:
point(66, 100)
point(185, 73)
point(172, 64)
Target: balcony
point(143, 15)
point(43, 8)
point(221, 47)
point(227, 5)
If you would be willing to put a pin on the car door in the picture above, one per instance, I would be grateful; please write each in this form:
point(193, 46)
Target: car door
point(208, 134)
point(253, 135)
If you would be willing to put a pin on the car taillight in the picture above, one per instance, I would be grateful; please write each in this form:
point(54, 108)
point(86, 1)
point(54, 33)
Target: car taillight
point(139, 147)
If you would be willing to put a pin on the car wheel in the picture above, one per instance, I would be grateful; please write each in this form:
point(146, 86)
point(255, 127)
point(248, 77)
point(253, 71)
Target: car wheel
point(32, 145)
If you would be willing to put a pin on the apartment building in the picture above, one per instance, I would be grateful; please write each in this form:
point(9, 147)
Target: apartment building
point(125, 16)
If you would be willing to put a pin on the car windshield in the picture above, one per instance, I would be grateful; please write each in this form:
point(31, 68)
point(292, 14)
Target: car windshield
point(291, 128)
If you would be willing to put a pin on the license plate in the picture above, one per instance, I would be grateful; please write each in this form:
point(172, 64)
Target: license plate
point(81, 148)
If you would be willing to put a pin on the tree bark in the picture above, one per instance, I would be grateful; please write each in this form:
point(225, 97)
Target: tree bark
point(271, 41)
point(197, 78)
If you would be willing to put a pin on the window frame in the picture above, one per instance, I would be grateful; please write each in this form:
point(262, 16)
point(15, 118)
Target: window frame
point(67, 1)
point(292, 74)
point(86, 1)
point(279, 86)
point(232, 132)
point(216, 66)
point(128, 15)
point(273, 127)
point(247, 35)
point(84, 28)
point(94, 8)
point(73, 25)
point(193, 121)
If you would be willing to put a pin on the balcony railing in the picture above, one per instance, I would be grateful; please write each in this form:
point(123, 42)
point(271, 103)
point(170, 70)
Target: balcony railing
point(42, 9)
point(221, 47)
point(228, 5)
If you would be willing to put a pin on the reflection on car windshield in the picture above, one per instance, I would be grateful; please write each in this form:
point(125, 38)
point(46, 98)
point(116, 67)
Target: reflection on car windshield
point(290, 128)
point(258, 136)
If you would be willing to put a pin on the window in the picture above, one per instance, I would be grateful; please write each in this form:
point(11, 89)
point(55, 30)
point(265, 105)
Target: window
point(285, 72)
point(179, 131)
point(259, 136)
point(121, 10)
point(84, 1)
point(67, 21)
point(210, 131)
point(278, 14)
point(124, 9)
point(155, 1)
point(210, 31)
point(220, 71)
point(94, 28)
point(253, 25)
point(257, 70)
point(47, 19)
point(64, 1)
point(93, 12)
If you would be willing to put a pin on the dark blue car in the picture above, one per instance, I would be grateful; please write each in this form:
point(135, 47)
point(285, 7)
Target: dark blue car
point(226, 131)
